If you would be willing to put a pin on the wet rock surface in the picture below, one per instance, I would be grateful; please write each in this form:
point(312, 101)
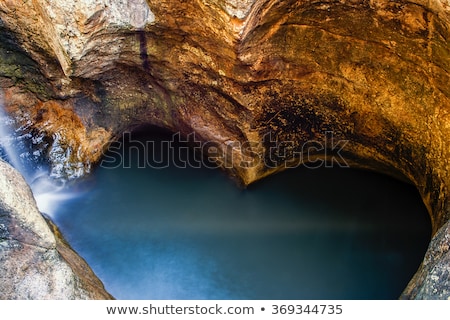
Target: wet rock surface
point(268, 75)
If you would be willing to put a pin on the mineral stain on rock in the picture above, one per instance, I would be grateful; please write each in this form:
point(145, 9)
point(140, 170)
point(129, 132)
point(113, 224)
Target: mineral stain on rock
point(375, 73)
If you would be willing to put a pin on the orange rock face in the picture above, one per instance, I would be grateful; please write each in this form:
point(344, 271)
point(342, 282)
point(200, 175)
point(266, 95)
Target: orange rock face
point(255, 73)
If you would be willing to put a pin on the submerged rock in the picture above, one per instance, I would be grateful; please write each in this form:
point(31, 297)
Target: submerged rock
point(34, 264)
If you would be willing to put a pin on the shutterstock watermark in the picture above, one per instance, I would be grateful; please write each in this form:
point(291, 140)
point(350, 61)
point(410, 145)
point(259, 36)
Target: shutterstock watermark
point(189, 152)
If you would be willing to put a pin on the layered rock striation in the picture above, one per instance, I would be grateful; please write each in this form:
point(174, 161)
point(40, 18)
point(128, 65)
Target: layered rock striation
point(271, 84)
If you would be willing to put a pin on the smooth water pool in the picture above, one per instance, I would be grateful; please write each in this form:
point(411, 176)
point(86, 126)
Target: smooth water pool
point(186, 233)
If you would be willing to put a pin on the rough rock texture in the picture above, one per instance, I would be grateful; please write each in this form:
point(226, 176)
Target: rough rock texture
point(435, 268)
point(33, 263)
point(258, 78)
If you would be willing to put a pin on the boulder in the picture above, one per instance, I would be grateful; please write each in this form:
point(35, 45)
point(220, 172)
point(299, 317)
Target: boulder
point(34, 264)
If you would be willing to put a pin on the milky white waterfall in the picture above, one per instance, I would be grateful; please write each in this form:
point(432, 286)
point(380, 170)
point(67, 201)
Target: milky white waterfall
point(49, 193)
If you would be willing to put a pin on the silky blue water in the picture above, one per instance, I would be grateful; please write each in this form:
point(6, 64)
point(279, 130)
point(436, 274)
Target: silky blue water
point(186, 233)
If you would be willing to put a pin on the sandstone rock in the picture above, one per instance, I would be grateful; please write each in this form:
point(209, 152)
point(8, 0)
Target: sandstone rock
point(33, 263)
point(268, 75)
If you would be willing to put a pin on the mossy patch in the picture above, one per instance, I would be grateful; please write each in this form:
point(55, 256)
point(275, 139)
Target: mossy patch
point(16, 65)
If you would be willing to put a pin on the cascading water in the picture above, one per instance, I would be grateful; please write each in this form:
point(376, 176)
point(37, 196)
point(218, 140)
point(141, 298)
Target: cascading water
point(19, 149)
point(191, 234)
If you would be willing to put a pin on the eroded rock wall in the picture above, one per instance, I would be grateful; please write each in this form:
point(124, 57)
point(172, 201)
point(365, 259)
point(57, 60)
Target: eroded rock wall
point(268, 75)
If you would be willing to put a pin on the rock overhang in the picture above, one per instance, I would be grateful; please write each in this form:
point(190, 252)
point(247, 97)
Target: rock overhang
point(375, 73)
